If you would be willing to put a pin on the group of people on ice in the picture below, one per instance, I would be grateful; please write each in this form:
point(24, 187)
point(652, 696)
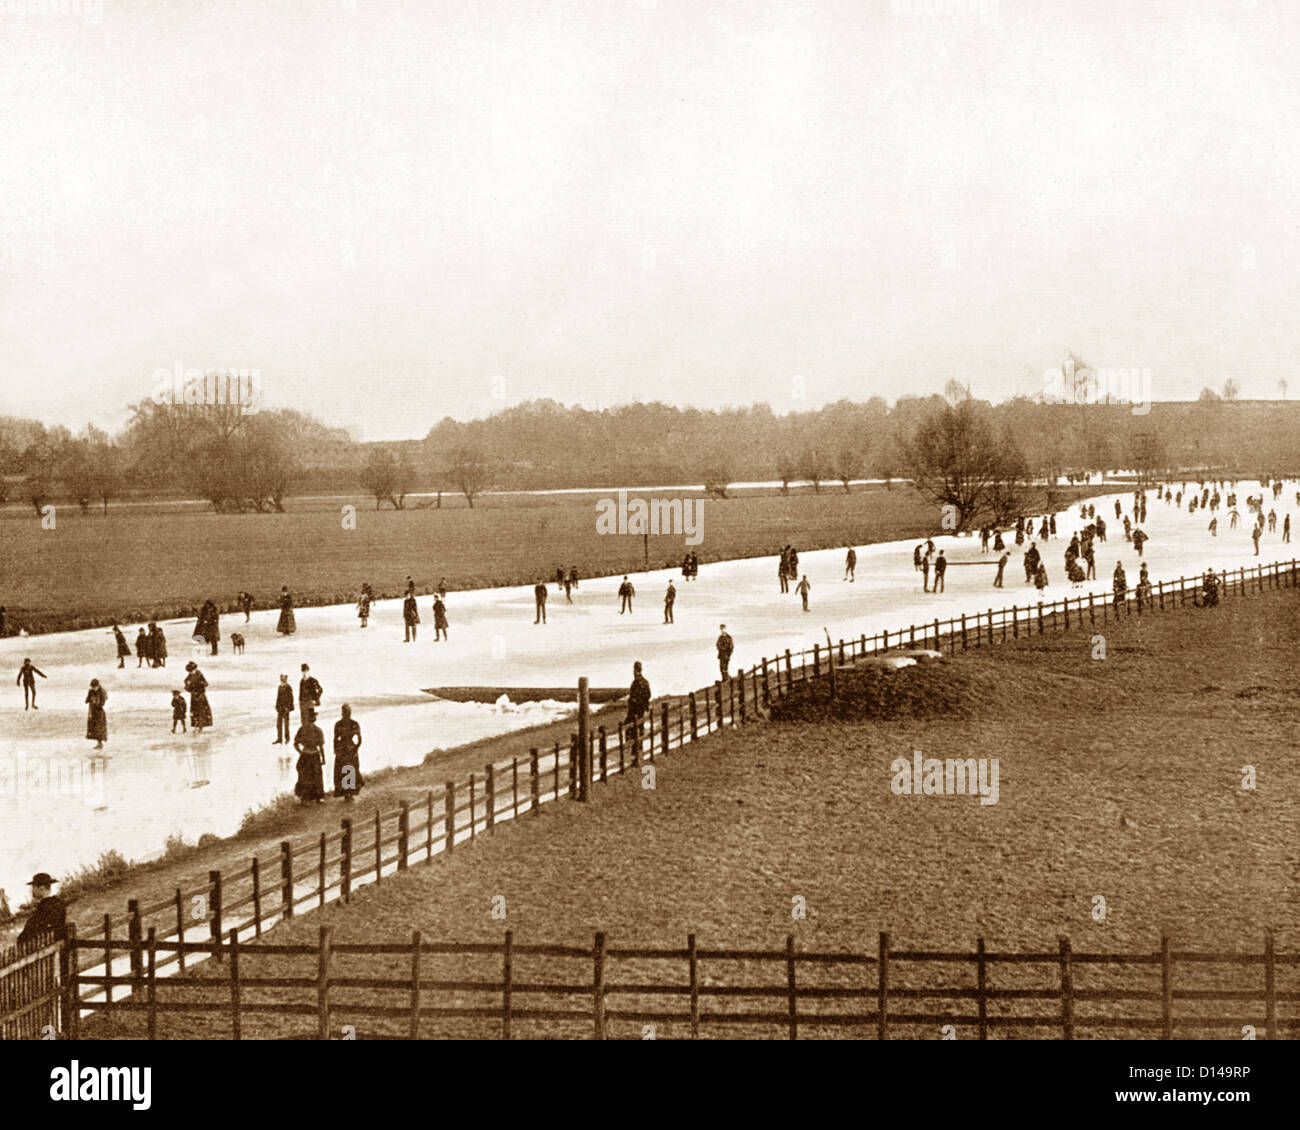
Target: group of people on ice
point(150, 646)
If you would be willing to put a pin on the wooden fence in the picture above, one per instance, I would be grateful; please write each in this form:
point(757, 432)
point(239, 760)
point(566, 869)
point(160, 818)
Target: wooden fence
point(308, 874)
point(505, 989)
point(32, 989)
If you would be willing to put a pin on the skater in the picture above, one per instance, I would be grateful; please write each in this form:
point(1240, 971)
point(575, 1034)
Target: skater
point(1040, 576)
point(143, 650)
point(439, 619)
point(573, 576)
point(283, 709)
point(568, 588)
point(1002, 565)
point(559, 577)
point(1119, 585)
point(197, 685)
point(940, 568)
point(123, 648)
point(851, 563)
point(309, 691)
point(686, 567)
point(245, 602)
point(363, 604)
point(1118, 510)
point(178, 711)
point(1140, 539)
point(347, 759)
point(669, 598)
point(726, 645)
point(1144, 586)
point(410, 617)
point(27, 680)
point(638, 700)
point(625, 594)
point(286, 625)
point(803, 588)
point(998, 544)
point(208, 626)
point(916, 559)
point(783, 570)
point(50, 915)
point(96, 718)
point(925, 573)
point(310, 744)
point(157, 646)
point(1091, 558)
point(1074, 572)
point(1051, 524)
point(1286, 529)
point(1214, 527)
point(1259, 529)
point(539, 598)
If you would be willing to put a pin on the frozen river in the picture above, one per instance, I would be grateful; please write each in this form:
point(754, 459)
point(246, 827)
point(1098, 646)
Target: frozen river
point(61, 806)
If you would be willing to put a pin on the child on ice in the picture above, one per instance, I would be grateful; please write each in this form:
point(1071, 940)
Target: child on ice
point(178, 711)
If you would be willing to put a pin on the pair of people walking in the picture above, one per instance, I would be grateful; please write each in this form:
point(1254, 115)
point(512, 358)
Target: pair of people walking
point(309, 741)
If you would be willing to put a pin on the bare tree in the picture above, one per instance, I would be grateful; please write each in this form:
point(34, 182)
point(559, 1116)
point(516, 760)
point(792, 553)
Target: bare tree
point(848, 466)
point(1231, 390)
point(954, 459)
point(815, 466)
point(468, 468)
point(387, 476)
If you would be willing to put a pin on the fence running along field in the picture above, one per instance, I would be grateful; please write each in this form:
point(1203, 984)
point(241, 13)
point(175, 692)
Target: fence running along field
point(506, 989)
point(192, 922)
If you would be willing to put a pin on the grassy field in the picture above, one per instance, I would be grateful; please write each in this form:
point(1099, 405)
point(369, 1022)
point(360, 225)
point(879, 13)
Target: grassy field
point(1120, 777)
point(137, 563)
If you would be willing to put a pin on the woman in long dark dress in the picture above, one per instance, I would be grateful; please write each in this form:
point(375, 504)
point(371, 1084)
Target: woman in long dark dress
point(347, 762)
point(208, 627)
point(96, 718)
point(363, 604)
point(157, 646)
point(197, 685)
point(310, 744)
point(286, 625)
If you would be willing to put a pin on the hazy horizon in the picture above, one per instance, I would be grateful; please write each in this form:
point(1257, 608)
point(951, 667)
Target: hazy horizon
point(401, 211)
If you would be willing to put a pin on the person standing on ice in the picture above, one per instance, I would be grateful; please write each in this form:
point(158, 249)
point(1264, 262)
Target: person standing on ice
point(178, 711)
point(310, 744)
point(1002, 565)
point(573, 576)
point(998, 544)
point(123, 648)
point(940, 568)
point(1259, 529)
point(157, 646)
point(283, 709)
point(803, 588)
point(27, 680)
point(364, 602)
point(1234, 517)
point(410, 617)
point(916, 560)
point(309, 691)
point(1286, 529)
point(1118, 510)
point(1040, 576)
point(625, 594)
point(539, 599)
point(568, 588)
point(1119, 585)
point(850, 564)
point(1214, 527)
point(96, 716)
point(347, 758)
point(726, 645)
point(245, 602)
point(1090, 556)
point(1140, 538)
point(286, 625)
point(925, 573)
point(197, 685)
point(440, 619)
point(638, 699)
point(142, 649)
point(669, 598)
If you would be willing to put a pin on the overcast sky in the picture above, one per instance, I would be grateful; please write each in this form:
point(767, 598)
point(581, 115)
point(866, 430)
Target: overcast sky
point(383, 205)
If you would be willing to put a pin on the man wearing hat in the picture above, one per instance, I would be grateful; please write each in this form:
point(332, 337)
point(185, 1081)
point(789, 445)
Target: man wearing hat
point(50, 915)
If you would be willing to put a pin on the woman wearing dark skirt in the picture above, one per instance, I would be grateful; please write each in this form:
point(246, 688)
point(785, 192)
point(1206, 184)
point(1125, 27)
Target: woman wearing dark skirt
point(286, 625)
point(363, 604)
point(96, 719)
point(310, 744)
point(157, 646)
point(197, 685)
point(347, 762)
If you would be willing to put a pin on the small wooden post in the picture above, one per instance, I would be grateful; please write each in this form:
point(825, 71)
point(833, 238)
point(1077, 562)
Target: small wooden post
point(379, 848)
point(663, 727)
point(428, 826)
point(695, 715)
point(490, 795)
point(108, 968)
point(1067, 991)
point(507, 982)
point(604, 750)
point(323, 985)
point(817, 660)
point(792, 999)
point(286, 878)
point(584, 740)
point(345, 862)
point(789, 670)
point(320, 870)
point(449, 813)
point(598, 984)
point(257, 899)
point(404, 837)
point(152, 997)
point(234, 984)
point(1040, 617)
point(534, 781)
point(134, 935)
point(557, 771)
point(72, 986)
point(472, 797)
point(414, 1025)
point(575, 755)
point(963, 632)
point(180, 925)
point(514, 787)
point(214, 880)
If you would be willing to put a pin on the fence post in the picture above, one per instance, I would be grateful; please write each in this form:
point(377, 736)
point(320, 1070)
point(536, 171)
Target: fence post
point(1166, 989)
point(882, 989)
point(1092, 612)
point(717, 694)
point(574, 753)
point(108, 967)
point(180, 926)
point(792, 999)
point(884, 640)
point(936, 635)
point(490, 795)
point(286, 879)
point(557, 771)
point(404, 837)
point(990, 621)
point(428, 826)
point(379, 848)
point(981, 982)
point(1067, 991)
point(234, 983)
point(514, 787)
point(817, 660)
point(663, 728)
point(135, 937)
point(598, 984)
point(1040, 617)
point(323, 985)
point(604, 745)
point(214, 880)
point(320, 870)
point(789, 670)
point(449, 810)
point(584, 742)
point(507, 982)
point(534, 781)
point(767, 690)
point(71, 985)
point(345, 862)
point(415, 985)
point(152, 997)
point(695, 715)
point(472, 796)
point(257, 899)
point(963, 631)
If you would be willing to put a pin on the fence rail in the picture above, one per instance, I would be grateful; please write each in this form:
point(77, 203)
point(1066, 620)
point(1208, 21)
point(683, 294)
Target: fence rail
point(505, 988)
point(330, 866)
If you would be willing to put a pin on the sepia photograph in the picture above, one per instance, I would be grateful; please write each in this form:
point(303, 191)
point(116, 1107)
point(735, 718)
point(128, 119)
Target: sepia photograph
point(478, 484)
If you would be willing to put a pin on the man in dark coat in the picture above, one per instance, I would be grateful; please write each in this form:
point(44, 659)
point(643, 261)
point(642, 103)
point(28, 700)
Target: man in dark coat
point(638, 702)
point(670, 598)
point(27, 680)
point(410, 617)
point(539, 598)
point(726, 645)
point(157, 646)
point(209, 625)
point(439, 619)
point(123, 648)
point(625, 594)
point(142, 649)
point(309, 692)
point(50, 915)
point(283, 708)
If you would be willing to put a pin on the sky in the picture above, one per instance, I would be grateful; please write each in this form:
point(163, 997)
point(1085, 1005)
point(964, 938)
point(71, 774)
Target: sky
point(400, 210)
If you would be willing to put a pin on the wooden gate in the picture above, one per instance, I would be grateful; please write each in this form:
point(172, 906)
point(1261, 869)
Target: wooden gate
point(31, 988)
